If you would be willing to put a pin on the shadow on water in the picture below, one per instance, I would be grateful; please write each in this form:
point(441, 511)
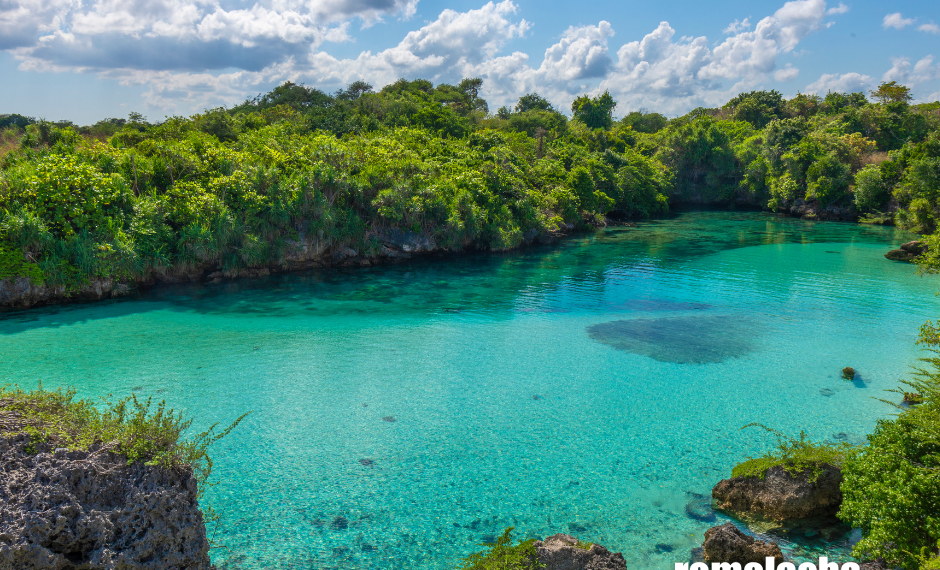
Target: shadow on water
point(683, 340)
point(492, 283)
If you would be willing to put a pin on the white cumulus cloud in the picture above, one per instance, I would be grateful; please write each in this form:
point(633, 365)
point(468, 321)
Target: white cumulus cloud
point(844, 83)
point(896, 21)
point(675, 75)
point(195, 35)
point(788, 73)
point(203, 54)
point(903, 71)
point(737, 26)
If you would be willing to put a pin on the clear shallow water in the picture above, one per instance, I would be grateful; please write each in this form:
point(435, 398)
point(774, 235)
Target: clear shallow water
point(596, 387)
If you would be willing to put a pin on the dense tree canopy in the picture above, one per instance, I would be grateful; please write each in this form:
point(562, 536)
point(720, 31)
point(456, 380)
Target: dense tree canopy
point(230, 187)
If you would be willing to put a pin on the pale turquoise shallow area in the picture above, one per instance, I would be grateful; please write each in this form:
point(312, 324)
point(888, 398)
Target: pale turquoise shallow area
point(595, 387)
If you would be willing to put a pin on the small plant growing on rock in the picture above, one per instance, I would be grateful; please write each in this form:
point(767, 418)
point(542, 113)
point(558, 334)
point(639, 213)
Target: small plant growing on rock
point(502, 555)
point(137, 429)
point(795, 456)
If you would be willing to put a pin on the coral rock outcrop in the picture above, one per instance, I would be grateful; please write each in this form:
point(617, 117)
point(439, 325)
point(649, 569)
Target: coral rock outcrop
point(726, 543)
point(561, 552)
point(782, 496)
point(907, 251)
point(84, 510)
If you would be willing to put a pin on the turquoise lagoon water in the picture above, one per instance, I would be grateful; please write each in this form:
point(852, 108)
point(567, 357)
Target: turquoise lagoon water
point(596, 387)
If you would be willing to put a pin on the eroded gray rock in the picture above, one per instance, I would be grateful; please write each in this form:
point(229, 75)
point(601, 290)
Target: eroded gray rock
point(406, 241)
point(908, 251)
point(561, 552)
point(782, 496)
point(84, 510)
point(726, 543)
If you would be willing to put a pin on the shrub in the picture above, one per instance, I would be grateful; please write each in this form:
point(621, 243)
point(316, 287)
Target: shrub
point(138, 429)
point(502, 555)
point(794, 455)
point(891, 488)
point(13, 265)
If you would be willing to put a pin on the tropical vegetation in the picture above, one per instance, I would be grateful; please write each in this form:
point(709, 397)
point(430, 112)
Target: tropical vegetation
point(233, 188)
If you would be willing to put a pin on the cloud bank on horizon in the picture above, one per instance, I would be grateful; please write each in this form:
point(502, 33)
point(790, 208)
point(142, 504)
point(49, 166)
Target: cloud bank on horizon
point(198, 54)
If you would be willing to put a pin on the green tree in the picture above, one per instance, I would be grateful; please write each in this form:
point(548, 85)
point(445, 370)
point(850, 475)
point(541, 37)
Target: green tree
point(533, 101)
point(870, 190)
point(757, 107)
point(597, 112)
point(892, 92)
point(354, 91)
point(644, 122)
point(827, 179)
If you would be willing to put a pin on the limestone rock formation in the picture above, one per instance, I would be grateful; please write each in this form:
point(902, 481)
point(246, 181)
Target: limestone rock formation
point(85, 510)
point(561, 552)
point(22, 292)
point(726, 543)
point(782, 496)
point(907, 251)
point(406, 241)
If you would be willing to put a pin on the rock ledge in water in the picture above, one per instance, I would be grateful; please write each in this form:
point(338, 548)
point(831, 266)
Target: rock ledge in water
point(907, 251)
point(726, 543)
point(69, 510)
point(561, 552)
point(781, 496)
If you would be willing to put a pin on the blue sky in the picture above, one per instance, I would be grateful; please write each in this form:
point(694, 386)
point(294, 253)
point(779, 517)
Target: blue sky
point(84, 60)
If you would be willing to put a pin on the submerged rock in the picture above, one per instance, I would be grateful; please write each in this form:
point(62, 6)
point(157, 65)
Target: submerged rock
point(561, 552)
point(696, 339)
point(913, 398)
point(90, 509)
point(726, 543)
point(782, 496)
point(700, 509)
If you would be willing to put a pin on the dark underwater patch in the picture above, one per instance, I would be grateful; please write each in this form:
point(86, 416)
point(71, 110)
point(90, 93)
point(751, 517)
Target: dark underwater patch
point(683, 340)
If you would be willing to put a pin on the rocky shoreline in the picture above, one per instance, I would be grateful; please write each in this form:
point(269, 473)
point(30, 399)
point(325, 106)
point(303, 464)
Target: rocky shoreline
point(70, 510)
point(307, 252)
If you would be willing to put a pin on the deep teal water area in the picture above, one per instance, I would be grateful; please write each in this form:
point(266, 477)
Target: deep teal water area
point(403, 415)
